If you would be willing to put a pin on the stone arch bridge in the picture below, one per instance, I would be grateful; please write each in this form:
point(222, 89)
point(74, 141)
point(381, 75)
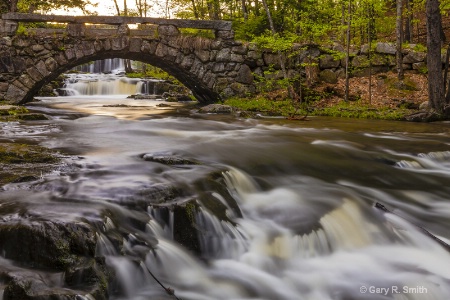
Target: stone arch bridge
point(212, 68)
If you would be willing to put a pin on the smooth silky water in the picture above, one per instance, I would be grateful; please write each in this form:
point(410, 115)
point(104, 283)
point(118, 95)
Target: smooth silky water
point(305, 228)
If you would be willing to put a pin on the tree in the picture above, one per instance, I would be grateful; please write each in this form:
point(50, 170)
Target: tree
point(280, 56)
point(30, 6)
point(399, 38)
point(347, 56)
point(435, 80)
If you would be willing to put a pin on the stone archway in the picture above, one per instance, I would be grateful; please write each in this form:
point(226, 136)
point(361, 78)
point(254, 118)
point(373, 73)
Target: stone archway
point(210, 68)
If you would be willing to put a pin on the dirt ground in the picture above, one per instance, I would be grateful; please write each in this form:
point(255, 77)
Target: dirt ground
point(386, 90)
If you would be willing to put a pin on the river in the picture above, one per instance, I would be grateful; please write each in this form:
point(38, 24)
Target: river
point(298, 200)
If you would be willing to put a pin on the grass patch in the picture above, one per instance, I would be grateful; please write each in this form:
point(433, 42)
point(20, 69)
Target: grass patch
point(263, 105)
point(355, 109)
point(361, 110)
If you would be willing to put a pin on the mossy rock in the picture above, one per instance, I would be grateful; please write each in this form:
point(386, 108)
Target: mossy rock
point(47, 244)
point(12, 153)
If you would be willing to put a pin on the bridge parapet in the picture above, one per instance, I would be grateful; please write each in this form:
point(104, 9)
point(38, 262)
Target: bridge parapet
point(212, 68)
point(77, 25)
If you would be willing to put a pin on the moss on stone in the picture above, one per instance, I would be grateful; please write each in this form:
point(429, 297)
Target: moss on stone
point(24, 162)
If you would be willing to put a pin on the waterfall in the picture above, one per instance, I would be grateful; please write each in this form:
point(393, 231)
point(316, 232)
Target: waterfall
point(109, 65)
point(106, 77)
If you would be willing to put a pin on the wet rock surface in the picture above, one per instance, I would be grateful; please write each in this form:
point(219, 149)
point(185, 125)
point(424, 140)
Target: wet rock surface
point(58, 257)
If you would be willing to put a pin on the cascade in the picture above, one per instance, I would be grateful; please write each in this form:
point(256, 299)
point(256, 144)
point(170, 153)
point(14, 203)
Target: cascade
point(105, 77)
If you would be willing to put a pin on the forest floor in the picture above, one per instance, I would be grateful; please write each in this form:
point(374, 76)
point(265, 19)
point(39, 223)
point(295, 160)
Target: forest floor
point(386, 91)
point(391, 99)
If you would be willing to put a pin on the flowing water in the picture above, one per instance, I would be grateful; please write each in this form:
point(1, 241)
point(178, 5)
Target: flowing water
point(105, 77)
point(303, 224)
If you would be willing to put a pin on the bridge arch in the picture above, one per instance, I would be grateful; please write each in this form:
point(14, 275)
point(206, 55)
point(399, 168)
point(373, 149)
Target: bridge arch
point(211, 68)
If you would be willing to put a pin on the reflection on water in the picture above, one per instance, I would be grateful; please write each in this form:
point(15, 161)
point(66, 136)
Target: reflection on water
point(303, 225)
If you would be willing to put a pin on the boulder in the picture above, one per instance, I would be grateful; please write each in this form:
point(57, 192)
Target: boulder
point(47, 244)
point(385, 48)
point(328, 61)
point(216, 109)
point(328, 76)
point(414, 57)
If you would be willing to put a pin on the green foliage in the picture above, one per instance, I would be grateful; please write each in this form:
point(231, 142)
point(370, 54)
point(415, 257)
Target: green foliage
point(13, 111)
point(198, 32)
point(46, 6)
point(22, 30)
point(255, 26)
point(361, 110)
point(152, 72)
point(263, 105)
point(275, 42)
point(272, 80)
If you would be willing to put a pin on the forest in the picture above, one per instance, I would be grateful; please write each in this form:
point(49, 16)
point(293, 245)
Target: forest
point(278, 25)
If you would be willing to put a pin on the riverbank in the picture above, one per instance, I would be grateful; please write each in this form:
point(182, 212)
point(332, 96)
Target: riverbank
point(390, 100)
point(20, 161)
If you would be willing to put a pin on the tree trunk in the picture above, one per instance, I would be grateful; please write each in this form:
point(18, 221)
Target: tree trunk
point(446, 89)
point(347, 56)
point(399, 35)
point(116, 5)
point(369, 41)
point(244, 10)
point(194, 9)
point(409, 23)
point(280, 57)
point(13, 6)
point(434, 64)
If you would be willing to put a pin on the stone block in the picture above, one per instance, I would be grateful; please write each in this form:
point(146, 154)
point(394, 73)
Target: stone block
point(254, 55)
point(14, 93)
point(51, 64)
point(218, 67)
point(98, 45)
point(34, 73)
point(76, 29)
point(414, 57)
point(187, 62)
point(237, 58)
point(203, 55)
point(60, 59)
point(8, 27)
point(216, 45)
point(37, 48)
point(135, 44)
point(149, 47)
point(70, 54)
point(239, 49)
point(42, 68)
point(385, 48)
point(360, 61)
point(244, 75)
point(107, 44)
point(4, 86)
point(26, 80)
point(223, 55)
point(168, 30)
point(224, 34)
point(161, 50)
point(328, 61)
point(88, 48)
point(118, 43)
point(123, 29)
point(19, 64)
point(328, 76)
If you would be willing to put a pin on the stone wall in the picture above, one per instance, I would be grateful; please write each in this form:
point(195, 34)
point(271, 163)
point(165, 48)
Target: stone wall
point(328, 63)
point(212, 69)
